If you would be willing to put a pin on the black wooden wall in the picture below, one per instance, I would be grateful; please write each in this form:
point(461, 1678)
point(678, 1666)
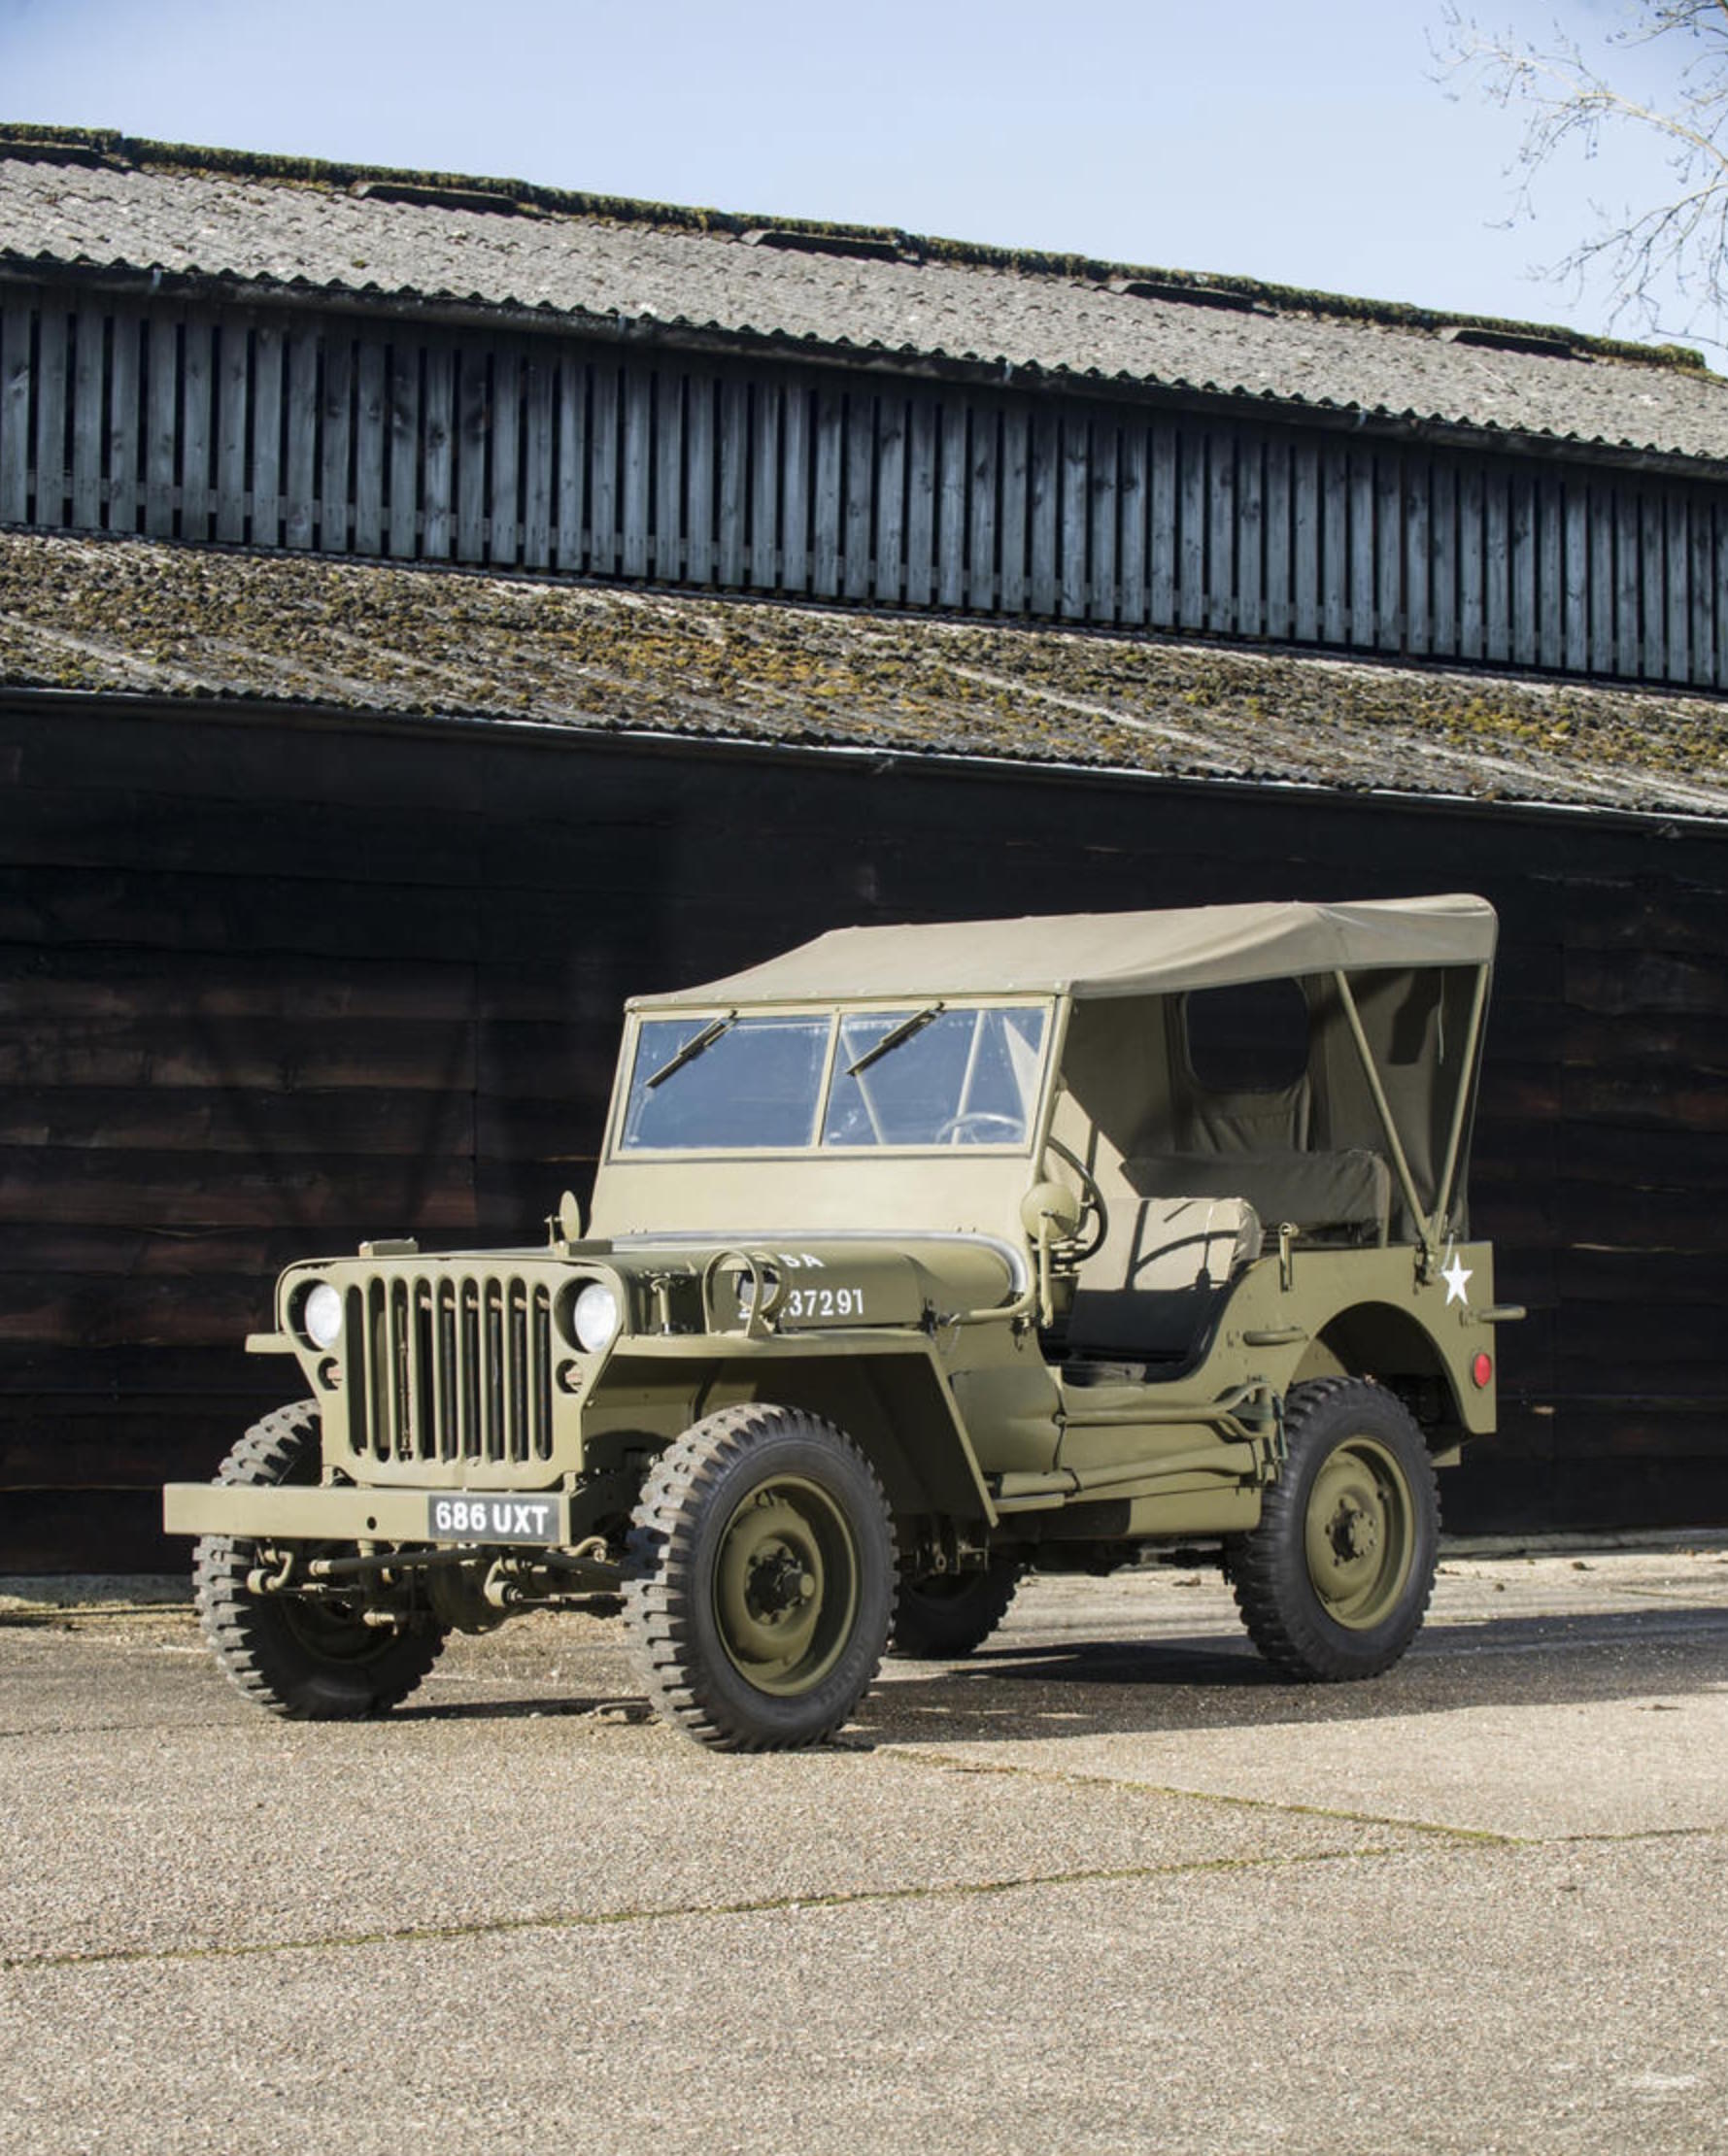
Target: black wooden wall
point(297, 428)
point(270, 986)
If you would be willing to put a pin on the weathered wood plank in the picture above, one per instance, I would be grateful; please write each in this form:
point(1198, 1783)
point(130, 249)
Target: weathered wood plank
point(89, 414)
point(1574, 557)
point(1016, 456)
point(668, 473)
point(1044, 492)
point(1132, 493)
point(764, 488)
point(17, 312)
point(1104, 511)
point(572, 463)
point(1190, 528)
point(920, 501)
point(162, 426)
point(983, 583)
point(603, 474)
point(1362, 603)
point(1701, 576)
point(503, 521)
point(1497, 565)
point(1278, 606)
point(1162, 527)
point(698, 469)
point(300, 451)
point(861, 474)
point(53, 366)
point(1442, 558)
point(1604, 582)
point(1335, 556)
point(1525, 548)
point(438, 432)
point(1677, 565)
point(638, 452)
point(474, 418)
point(794, 504)
point(125, 422)
point(267, 410)
point(1472, 598)
point(1550, 571)
point(1418, 554)
point(1391, 539)
point(734, 477)
point(197, 386)
point(889, 580)
point(1653, 581)
point(1250, 536)
point(233, 393)
point(827, 507)
point(1628, 576)
point(951, 510)
point(539, 381)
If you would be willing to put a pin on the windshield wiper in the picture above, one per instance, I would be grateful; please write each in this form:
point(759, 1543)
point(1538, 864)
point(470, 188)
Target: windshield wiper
point(904, 1031)
point(697, 1044)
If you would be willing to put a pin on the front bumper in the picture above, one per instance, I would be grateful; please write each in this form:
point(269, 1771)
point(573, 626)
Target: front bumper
point(289, 1513)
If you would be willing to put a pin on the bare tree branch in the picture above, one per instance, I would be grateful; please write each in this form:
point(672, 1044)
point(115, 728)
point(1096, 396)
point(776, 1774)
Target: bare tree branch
point(1679, 246)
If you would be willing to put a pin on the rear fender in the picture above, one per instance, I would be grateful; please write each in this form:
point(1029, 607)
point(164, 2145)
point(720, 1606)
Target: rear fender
point(1381, 1341)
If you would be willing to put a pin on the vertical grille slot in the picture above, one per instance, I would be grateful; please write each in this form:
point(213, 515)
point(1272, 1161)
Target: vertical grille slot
point(446, 1368)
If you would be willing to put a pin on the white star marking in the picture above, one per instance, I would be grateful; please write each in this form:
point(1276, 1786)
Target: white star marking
point(1455, 1276)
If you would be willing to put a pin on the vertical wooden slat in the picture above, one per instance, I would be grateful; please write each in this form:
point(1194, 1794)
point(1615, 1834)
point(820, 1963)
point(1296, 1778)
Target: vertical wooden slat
point(233, 386)
point(637, 454)
point(1652, 584)
point(1043, 499)
point(1190, 528)
point(161, 428)
point(1523, 548)
point(1418, 554)
point(831, 421)
point(267, 437)
point(15, 315)
point(1442, 572)
point(764, 488)
point(698, 477)
point(602, 474)
point(1074, 482)
point(1718, 515)
point(1334, 567)
point(890, 498)
point(795, 494)
point(1277, 576)
point(1132, 493)
point(1015, 461)
point(1628, 563)
point(572, 463)
point(54, 358)
point(473, 419)
point(734, 477)
point(1677, 567)
point(1471, 605)
point(504, 496)
point(1575, 547)
point(861, 478)
point(1390, 533)
point(196, 369)
point(539, 380)
point(1104, 511)
point(89, 414)
point(300, 469)
point(1699, 577)
point(438, 427)
point(1221, 539)
point(1603, 581)
point(369, 427)
point(981, 572)
point(1162, 526)
point(1550, 571)
point(125, 422)
point(951, 514)
point(1363, 602)
point(920, 501)
point(668, 471)
point(1250, 535)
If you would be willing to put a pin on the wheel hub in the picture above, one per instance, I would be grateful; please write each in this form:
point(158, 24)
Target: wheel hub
point(1360, 1534)
point(784, 1585)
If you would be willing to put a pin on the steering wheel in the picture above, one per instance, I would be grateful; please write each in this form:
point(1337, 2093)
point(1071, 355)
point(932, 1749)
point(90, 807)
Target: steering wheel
point(1092, 1205)
point(955, 1130)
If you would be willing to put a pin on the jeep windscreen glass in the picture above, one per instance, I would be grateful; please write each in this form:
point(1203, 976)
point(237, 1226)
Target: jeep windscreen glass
point(756, 1083)
point(960, 1078)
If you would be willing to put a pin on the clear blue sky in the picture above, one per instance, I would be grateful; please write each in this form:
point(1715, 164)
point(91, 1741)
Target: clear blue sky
point(1310, 145)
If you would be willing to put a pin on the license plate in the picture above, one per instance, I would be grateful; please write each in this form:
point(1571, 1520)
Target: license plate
point(471, 1519)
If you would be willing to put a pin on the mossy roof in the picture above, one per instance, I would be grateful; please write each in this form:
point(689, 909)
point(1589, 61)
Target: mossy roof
point(115, 614)
point(343, 234)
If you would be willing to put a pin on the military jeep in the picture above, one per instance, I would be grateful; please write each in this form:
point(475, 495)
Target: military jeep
point(920, 1258)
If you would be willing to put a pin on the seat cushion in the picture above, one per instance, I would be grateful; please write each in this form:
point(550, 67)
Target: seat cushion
point(1317, 1190)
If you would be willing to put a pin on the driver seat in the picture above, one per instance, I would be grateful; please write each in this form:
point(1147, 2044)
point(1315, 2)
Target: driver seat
point(1155, 1293)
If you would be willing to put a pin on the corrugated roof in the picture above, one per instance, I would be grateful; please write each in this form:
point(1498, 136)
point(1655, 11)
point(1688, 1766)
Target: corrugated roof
point(134, 208)
point(132, 615)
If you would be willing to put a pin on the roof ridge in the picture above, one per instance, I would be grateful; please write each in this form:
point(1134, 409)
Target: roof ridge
point(86, 146)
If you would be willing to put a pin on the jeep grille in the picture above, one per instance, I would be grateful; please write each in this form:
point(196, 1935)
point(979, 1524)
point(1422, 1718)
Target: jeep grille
point(448, 1366)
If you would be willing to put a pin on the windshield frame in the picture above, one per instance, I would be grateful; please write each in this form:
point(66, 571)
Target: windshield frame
point(835, 1011)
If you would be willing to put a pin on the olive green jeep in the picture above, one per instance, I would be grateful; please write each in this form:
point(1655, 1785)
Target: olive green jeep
point(920, 1258)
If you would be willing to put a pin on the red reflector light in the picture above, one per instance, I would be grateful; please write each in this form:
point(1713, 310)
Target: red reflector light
point(1483, 1369)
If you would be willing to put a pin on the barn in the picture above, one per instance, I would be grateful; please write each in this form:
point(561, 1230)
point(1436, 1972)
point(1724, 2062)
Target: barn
point(432, 608)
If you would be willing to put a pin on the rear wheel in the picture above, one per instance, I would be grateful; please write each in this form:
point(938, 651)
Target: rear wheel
point(1333, 1582)
point(945, 1615)
point(762, 1568)
point(310, 1659)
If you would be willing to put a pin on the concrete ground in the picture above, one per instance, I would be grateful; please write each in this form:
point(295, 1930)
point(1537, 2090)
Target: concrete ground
point(1107, 1886)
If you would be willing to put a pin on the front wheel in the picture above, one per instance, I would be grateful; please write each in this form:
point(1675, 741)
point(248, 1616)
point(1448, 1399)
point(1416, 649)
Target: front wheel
point(1333, 1582)
point(762, 1570)
point(309, 1659)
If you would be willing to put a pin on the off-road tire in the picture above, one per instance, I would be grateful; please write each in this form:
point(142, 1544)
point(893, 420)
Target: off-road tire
point(734, 1517)
point(308, 1662)
point(947, 1615)
point(1333, 1582)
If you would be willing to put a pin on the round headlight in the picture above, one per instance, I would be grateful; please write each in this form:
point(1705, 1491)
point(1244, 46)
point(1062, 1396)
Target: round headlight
point(321, 1316)
point(593, 1316)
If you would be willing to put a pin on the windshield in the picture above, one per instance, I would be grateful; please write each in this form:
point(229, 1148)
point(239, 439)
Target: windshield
point(905, 1077)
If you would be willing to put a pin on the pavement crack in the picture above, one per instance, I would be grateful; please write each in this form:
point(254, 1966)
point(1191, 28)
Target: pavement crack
point(503, 1927)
